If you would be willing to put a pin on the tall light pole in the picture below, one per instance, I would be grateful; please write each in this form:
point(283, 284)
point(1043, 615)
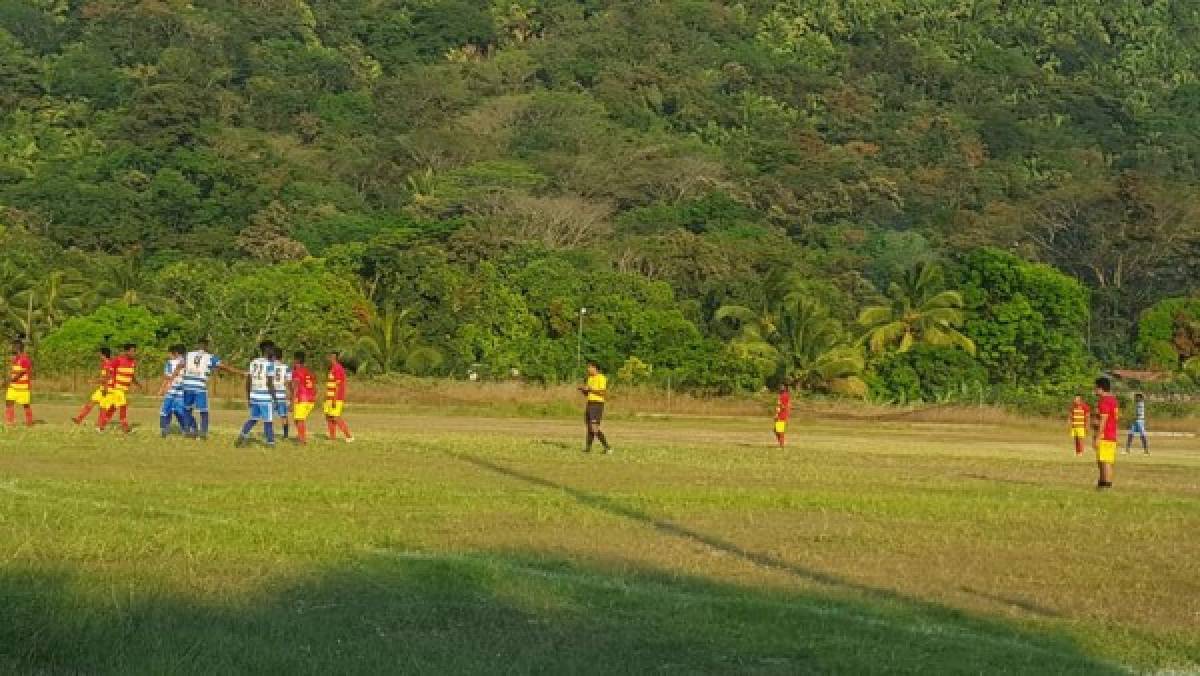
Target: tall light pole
point(579, 340)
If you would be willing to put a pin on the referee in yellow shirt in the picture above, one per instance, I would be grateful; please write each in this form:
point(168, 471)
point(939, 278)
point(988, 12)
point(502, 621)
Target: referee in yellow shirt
point(595, 391)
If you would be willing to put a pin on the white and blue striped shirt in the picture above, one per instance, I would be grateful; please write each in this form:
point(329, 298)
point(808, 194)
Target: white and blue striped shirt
point(199, 365)
point(175, 389)
point(260, 370)
point(1141, 410)
point(283, 376)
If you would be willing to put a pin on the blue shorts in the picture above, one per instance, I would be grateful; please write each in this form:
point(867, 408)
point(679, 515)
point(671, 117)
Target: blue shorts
point(171, 406)
point(1138, 427)
point(196, 399)
point(281, 408)
point(261, 411)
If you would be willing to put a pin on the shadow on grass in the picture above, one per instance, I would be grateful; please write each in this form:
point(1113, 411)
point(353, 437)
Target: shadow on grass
point(618, 508)
point(396, 611)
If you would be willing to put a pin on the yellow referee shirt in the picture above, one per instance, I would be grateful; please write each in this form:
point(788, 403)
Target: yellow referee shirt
point(597, 387)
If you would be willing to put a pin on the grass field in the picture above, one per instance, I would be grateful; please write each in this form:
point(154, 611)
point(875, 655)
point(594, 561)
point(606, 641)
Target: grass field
point(450, 544)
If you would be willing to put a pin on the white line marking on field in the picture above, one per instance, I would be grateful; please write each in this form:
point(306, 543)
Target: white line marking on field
point(924, 628)
point(11, 488)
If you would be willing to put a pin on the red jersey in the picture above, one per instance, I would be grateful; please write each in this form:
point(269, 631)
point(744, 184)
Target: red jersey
point(783, 408)
point(124, 369)
point(109, 372)
point(303, 384)
point(21, 372)
point(335, 384)
point(1079, 416)
point(1108, 406)
point(107, 364)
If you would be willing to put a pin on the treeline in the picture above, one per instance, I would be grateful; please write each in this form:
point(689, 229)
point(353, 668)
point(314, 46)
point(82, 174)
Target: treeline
point(913, 199)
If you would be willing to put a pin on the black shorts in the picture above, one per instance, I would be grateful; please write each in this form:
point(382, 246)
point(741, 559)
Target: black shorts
point(594, 412)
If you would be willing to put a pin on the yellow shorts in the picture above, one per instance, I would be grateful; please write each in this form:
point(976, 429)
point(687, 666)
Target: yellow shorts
point(99, 396)
point(333, 409)
point(117, 399)
point(780, 426)
point(1106, 452)
point(20, 397)
point(303, 410)
point(1079, 433)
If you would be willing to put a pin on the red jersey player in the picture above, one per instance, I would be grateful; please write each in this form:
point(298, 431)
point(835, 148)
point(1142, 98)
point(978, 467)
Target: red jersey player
point(100, 394)
point(1108, 411)
point(304, 389)
point(335, 399)
point(18, 382)
point(124, 376)
point(783, 412)
point(1080, 413)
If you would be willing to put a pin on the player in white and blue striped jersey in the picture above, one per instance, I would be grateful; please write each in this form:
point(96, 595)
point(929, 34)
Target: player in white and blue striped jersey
point(1139, 425)
point(283, 389)
point(260, 392)
point(172, 394)
point(198, 366)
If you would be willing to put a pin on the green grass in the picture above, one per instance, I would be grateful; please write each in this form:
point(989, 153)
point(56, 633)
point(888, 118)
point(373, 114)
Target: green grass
point(469, 545)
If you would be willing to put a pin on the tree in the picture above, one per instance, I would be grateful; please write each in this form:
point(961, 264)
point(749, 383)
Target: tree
point(1169, 333)
point(14, 301)
point(268, 237)
point(1029, 322)
point(296, 305)
point(52, 299)
point(918, 309)
point(126, 280)
point(74, 343)
point(390, 342)
point(815, 352)
point(927, 373)
point(760, 322)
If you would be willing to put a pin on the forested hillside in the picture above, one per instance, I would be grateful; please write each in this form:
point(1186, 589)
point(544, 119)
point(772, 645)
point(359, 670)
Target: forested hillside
point(911, 198)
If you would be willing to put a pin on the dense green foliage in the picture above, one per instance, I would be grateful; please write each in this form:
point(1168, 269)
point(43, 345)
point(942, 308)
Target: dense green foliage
point(311, 169)
point(1169, 333)
point(1028, 322)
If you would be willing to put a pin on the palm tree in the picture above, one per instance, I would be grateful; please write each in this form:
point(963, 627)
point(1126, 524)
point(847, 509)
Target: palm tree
point(15, 313)
point(760, 322)
point(917, 309)
point(54, 298)
point(127, 282)
point(815, 352)
point(389, 343)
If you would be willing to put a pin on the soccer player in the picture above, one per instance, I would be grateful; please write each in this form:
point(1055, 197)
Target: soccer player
point(1078, 420)
point(123, 377)
point(172, 394)
point(783, 412)
point(260, 393)
point(595, 392)
point(304, 395)
point(1108, 411)
point(283, 388)
point(335, 399)
point(198, 366)
point(1139, 425)
point(17, 386)
point(100, 394)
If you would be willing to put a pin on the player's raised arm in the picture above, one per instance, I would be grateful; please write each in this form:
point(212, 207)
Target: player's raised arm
point(222, 366)
point(168, 377)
